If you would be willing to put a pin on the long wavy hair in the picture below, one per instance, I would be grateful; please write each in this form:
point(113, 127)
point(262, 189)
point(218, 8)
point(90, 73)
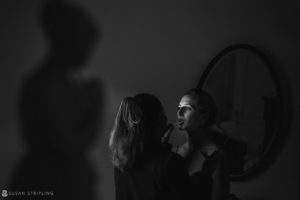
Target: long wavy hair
point(134, 129)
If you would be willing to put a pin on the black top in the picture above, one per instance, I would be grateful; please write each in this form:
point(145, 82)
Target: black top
point(203, 179)
point(157, 176)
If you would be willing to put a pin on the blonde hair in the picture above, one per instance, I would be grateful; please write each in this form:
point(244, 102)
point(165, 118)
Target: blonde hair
point(133, 129)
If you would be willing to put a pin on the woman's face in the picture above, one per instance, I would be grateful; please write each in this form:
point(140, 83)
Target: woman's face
point(190, 116)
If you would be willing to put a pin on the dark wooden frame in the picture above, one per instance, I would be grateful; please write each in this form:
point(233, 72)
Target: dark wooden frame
point(266, 159)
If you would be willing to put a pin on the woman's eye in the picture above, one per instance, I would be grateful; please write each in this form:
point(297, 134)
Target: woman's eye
point(184, 109)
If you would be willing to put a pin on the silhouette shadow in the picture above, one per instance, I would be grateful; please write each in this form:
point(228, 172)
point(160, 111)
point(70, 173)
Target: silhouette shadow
point(59, 109)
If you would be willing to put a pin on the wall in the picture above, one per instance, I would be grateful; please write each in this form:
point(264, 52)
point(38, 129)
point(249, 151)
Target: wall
point(160, 47)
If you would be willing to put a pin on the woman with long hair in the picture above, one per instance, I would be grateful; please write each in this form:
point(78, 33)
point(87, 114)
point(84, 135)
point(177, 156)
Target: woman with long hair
point(144, 168)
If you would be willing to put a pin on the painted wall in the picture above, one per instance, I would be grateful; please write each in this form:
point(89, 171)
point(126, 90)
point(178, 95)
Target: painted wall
point(160, 47)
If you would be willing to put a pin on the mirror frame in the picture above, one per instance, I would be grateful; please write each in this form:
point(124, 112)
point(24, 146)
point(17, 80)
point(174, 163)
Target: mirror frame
point(265, 160)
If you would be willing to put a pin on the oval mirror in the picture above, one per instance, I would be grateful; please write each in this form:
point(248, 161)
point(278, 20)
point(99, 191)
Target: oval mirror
point(247, 94)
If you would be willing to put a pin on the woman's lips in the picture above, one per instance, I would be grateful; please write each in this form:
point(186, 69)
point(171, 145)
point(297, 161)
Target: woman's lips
point(179, 123)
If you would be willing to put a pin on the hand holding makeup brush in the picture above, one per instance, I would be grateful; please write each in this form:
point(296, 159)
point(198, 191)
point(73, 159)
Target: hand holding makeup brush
point(166, 137)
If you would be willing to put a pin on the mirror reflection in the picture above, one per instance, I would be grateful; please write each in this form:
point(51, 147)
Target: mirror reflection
point(248, 102)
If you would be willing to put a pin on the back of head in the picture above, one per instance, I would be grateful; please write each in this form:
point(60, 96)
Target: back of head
point(133, 129)
point(150, 105)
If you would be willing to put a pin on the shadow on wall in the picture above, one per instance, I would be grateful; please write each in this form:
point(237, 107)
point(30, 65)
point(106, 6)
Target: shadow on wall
point(59, 108)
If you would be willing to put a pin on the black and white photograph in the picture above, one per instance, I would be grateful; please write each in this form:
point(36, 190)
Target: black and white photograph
point(149, 100)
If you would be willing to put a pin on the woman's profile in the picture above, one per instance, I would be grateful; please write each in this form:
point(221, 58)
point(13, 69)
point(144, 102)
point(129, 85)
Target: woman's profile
point(143, 167)
point(205, 156)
